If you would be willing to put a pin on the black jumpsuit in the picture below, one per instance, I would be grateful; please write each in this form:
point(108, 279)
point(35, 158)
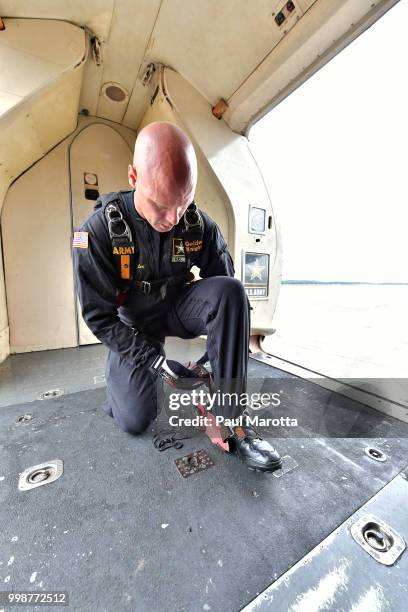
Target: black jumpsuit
point(215, 306)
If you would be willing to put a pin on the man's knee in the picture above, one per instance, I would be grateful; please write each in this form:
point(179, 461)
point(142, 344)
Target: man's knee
point(134, 423)
point(231, 288)
point(133, 428)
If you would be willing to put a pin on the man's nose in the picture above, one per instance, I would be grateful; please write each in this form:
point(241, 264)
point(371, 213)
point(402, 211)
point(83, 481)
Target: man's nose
point(172, 217)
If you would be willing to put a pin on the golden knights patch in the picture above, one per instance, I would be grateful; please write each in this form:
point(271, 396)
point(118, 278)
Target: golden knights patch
point(178, 254)
point(193, 246)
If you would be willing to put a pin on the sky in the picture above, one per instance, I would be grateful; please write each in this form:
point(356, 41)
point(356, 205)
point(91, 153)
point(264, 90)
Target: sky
point(334, 157)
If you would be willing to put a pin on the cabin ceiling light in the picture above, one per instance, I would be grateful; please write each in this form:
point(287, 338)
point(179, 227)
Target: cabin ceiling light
point(115, 92)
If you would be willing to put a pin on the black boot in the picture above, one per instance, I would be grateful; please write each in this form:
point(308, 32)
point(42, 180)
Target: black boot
point(250, 448)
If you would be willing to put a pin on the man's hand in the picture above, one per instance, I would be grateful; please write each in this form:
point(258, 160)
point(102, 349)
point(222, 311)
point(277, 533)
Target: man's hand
point(191, 279)
point(175, 374)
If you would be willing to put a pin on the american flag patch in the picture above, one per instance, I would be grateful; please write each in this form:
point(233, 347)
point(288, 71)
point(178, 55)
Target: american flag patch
point(80, 240)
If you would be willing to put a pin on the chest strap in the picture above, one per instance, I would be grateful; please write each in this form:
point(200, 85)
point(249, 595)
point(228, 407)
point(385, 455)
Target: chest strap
point(123, 247)
point(160, 285)
point(123, 250)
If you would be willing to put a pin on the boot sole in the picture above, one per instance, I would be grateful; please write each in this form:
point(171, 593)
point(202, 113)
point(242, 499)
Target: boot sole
point(272, 467)
point(264, 469)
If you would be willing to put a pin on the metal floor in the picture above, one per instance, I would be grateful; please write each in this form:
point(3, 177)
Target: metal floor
point(25, 376)
point(122, 530)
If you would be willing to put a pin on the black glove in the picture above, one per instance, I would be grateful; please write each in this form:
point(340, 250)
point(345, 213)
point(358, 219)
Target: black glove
point(175, 374)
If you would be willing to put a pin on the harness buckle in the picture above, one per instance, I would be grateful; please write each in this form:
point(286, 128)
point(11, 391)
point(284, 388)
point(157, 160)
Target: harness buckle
point(193, 221)
point(118, 228)
point(146, 287)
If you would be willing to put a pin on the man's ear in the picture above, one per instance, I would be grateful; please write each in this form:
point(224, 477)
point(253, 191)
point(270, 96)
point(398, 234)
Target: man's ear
point(132, 176)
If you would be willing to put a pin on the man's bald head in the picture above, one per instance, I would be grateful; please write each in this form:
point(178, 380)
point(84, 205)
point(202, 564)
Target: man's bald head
point(164, 174)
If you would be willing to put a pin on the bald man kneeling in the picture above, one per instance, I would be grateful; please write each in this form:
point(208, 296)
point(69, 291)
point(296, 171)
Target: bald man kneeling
point(133, 257)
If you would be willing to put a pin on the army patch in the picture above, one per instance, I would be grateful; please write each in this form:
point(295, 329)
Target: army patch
point(178, 251)
point(80, 240)
point(193, 246)
point(129, 250)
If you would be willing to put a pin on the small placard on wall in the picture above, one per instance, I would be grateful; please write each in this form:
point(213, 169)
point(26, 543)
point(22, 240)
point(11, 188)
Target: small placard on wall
point(256, 274)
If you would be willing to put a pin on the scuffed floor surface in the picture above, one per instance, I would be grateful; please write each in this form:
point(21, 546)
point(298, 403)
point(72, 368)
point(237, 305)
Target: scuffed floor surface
point(122, 530)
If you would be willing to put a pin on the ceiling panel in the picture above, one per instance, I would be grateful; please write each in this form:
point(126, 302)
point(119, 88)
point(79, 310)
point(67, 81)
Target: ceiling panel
point(124, 52)
point(27, 63)
point(38, 39)
point(231, 49)
point(95, 14)
point(21, 73)
point(44, 93)
point(214, 44)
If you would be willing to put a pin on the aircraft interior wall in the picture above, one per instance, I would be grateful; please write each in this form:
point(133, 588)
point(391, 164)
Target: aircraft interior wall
point(4, 329)
point(42, 64)
point(98, 161)
point(4, 324)
point(36, 243)
point(37, 233)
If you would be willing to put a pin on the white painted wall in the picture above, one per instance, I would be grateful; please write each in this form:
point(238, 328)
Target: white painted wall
point(40, 81)
point(4, 328)
point(37, 234)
